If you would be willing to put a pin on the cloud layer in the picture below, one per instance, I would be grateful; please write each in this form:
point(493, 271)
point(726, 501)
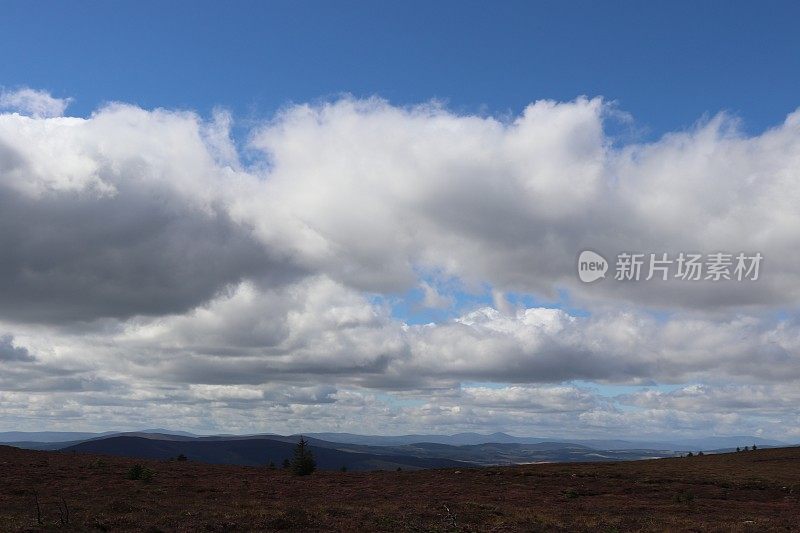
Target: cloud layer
point(148, 273)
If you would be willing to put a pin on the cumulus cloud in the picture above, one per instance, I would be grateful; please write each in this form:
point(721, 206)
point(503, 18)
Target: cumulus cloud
point(433, 299)
point(312, 328)
point(146, 268)
point(9, 352)
point(549, 345)
point(480, 200)
point(394, 189)
point(762, 399)
point(21, 370)
point(390, 191)
point(38, 104)
point(118, 215)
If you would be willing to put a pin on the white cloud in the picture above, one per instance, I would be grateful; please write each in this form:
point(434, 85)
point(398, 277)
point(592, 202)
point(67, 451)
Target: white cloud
point(117, 215)
point(38, 104)
point(433, 299)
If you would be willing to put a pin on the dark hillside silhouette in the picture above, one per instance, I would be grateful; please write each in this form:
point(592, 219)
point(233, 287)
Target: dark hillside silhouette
point(253, 452)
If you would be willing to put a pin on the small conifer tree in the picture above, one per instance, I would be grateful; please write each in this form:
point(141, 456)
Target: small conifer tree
point(303, 461)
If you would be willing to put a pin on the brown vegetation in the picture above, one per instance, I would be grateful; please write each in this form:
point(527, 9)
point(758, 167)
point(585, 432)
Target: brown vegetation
point(748, 491)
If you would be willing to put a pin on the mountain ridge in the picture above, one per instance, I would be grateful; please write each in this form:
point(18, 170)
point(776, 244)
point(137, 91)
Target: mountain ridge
point(253, 452)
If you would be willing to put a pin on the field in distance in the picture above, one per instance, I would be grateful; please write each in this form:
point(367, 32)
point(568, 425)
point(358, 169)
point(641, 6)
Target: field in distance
point(747, 491)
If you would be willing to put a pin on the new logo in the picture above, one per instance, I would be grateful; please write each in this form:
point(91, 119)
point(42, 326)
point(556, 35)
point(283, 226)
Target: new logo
point(591, 266)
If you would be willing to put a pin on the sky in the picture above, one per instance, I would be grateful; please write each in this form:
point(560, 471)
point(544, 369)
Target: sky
point(369, 217)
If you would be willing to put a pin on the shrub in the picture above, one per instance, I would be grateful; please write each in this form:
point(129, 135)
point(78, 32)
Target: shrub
point(140, 472)
point(147, 475)
point(135, 472)
point(303, 461)
point(97, 463)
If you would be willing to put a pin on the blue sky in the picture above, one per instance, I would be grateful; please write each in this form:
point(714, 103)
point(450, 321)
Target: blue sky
point(396, 268)
point(666, 63)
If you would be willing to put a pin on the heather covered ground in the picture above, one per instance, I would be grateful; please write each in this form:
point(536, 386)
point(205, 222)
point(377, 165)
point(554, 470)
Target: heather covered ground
point(748, 491)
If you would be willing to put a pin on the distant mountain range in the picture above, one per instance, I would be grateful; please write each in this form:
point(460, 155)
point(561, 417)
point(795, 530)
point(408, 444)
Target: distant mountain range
point(705, 443)
point(459, 439)
point(254, 452)
point(367, 452)
point(64, 436)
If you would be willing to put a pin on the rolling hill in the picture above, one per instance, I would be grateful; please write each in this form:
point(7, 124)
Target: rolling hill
point(254, 452)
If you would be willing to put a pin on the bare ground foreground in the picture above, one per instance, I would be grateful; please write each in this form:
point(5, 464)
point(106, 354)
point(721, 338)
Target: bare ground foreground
point(748, 491)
